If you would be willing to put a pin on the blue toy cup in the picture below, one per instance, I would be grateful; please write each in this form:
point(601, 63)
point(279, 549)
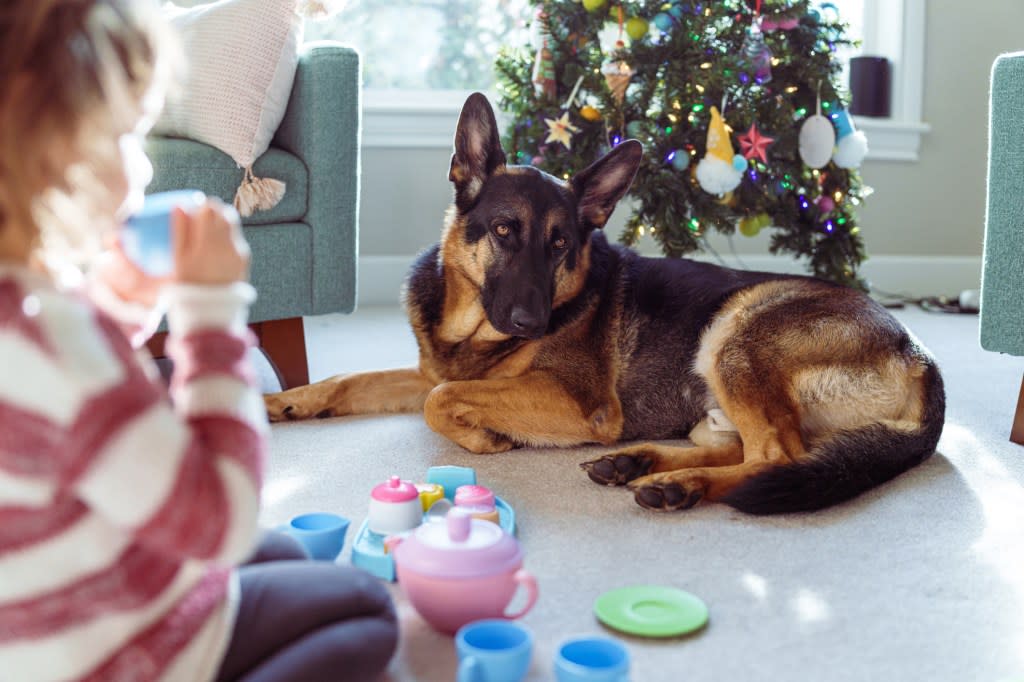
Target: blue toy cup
point(322, 534)
point(592, 659)
point(146, 236)
point(493, 650)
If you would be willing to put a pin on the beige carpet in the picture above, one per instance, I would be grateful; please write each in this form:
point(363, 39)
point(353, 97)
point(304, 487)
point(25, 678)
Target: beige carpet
point(922, 579)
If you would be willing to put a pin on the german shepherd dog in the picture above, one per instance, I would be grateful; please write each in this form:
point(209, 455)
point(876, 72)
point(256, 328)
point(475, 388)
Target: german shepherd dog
point(534, 330)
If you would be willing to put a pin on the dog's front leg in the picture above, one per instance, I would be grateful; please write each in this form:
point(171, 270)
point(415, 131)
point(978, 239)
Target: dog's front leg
point(393, 390)
point(494, 415)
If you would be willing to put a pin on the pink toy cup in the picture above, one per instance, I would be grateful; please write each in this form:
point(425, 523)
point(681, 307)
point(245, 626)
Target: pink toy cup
point(461, 570)
point(478, 501)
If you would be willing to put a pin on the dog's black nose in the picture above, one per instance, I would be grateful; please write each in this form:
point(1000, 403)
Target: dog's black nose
point(526, 323)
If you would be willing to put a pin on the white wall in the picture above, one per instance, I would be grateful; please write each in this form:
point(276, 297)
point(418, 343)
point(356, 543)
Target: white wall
point(923, 226)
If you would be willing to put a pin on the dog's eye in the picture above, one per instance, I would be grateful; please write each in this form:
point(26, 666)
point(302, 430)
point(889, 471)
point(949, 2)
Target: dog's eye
point(502, 230)
point(560, 243)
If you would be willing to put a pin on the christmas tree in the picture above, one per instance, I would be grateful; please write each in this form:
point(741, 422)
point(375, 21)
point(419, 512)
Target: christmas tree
point(695, 82)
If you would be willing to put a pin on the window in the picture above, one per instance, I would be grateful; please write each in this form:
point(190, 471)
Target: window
point(893, 29)
point(427, 44)
point(421, 58)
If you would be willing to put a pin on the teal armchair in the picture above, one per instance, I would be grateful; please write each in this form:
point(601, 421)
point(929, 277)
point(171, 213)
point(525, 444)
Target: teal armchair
point(1002, 282)
point(305, 249)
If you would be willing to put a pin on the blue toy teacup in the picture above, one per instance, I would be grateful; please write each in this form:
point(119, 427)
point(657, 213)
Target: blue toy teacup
point(493, 651)
point(592, 659)
point(322, 534)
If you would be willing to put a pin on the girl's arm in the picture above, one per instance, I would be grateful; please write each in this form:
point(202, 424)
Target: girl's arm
point(183, 476)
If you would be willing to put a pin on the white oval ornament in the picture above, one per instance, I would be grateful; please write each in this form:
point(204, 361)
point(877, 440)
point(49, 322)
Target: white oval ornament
point(817, 139)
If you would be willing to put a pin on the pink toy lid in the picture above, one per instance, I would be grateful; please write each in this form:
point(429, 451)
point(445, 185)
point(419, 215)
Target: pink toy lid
point(474, 496)
point(460, 547)
point(395, 490)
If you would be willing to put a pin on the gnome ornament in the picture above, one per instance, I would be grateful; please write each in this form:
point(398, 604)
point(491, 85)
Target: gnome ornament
point(544, 82)
point(817, 138)
point(721, 169)
point(851, 144)
point(543, 75)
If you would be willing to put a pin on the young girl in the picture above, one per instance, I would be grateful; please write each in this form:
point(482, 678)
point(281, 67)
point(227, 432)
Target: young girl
point(123, 509)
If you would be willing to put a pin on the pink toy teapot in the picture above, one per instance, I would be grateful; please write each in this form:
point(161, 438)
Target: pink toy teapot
point(460, 570)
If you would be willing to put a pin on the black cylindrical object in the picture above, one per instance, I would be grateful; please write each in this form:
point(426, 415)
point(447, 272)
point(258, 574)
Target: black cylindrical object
point(870, 86)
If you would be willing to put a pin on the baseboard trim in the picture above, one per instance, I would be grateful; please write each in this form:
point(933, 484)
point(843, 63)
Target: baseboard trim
point(381, 277)
point(923, 275)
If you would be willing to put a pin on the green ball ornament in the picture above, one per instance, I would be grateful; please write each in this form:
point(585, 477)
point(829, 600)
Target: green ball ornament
point(593, 5)
point(750, 226)
point(636, 27)
point(680, 160)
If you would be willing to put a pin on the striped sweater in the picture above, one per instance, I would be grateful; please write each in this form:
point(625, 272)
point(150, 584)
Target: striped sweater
point(122, 506)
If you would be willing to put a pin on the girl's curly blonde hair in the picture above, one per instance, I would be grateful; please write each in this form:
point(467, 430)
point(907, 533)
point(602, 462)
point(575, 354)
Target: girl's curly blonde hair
point(75, 77)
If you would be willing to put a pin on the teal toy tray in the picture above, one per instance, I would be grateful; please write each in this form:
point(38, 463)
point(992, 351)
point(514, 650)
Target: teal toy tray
point(368, 549)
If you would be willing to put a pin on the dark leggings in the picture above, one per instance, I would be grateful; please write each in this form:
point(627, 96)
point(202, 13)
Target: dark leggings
point(307, 620)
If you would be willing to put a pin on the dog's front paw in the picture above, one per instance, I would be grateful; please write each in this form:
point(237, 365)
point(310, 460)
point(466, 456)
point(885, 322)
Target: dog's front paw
point(619, 468)
point(281, 407)
point(278, 409)
point(668, 495)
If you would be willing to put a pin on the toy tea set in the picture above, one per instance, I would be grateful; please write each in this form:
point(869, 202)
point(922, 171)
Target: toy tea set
point(450, 543)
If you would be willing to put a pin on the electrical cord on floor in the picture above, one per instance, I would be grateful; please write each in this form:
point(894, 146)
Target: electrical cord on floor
point(967, 303)
point(964, 304)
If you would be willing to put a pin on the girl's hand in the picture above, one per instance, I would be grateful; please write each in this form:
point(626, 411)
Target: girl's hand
point(208, 245)
point(125, 279)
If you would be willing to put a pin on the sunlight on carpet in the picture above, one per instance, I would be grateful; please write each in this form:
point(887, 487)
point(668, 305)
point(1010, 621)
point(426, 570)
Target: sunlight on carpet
point(999, 495)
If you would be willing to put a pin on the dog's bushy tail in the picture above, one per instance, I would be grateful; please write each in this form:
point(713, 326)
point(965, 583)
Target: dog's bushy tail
point(846, 465)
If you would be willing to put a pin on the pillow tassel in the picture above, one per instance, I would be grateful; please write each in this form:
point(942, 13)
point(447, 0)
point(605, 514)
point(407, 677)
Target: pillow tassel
point(257, 194)
point(319, 9)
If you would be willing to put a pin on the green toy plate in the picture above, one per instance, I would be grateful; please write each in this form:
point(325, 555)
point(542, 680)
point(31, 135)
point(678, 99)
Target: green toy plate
point(651, 611)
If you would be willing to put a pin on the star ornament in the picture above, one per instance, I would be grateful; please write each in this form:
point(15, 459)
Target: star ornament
point(754, 144)
point(560, 130)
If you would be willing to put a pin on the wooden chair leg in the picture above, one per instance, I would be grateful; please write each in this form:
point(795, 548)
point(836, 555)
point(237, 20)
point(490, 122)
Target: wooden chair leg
point(1017, 430)
point(283, 342)
point(156, 345)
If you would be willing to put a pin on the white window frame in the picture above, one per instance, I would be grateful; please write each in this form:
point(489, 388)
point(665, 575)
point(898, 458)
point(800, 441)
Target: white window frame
point(896, 29)
point(426, 119)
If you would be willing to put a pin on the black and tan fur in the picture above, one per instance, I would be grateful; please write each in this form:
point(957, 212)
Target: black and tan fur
point(534, 330)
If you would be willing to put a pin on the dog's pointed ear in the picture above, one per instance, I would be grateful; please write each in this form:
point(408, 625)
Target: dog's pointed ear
point(599, 186)
point(478, 150)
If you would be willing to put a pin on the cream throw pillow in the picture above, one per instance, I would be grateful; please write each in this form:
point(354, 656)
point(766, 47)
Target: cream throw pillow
point(241, 57)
